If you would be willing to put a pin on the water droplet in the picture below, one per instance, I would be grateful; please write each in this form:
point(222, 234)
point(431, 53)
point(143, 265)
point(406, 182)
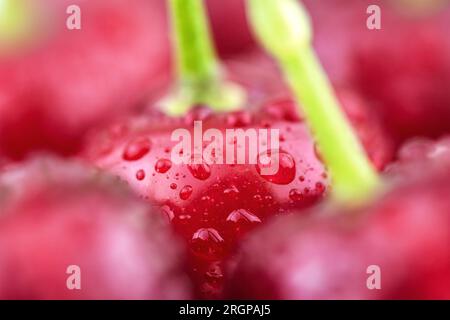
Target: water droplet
point(163, 165)
point(208, 243)
point(257, 197)
point(242, 215)
point(136, 149)
point(295, 195)
point(200, 171)
point(173, 186)
point(168, 212)
point(140, 175)
point(214, 271)
point(186, 192)
point(320, 187)
point(232, 190)
point(286, 169)
point(184, 217)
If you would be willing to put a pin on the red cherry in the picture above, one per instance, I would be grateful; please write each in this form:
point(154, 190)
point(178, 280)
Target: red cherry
point(58, 214)
point(68, 81)
point(213, 205)
point(405, 234)
point(405, 70)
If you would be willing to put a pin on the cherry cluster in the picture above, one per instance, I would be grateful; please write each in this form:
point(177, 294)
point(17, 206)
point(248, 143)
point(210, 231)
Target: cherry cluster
point(358, 207)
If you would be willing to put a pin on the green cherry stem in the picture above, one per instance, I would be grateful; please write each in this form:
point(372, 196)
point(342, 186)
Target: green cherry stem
point(284, 29)
point(200, 77)
point(16, 23)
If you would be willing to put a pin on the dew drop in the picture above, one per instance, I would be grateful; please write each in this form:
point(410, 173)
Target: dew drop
point(320, 187)
point(140, 175)
point(200, 171)
point(286, 169)
point(295, 195)
point(136, 149)
point(257, 197)
point(214, 271)
point(186, 192)
point(208, 243)
point(232, 190)
point(163, 165)
point(168, 212)
point(242, 215)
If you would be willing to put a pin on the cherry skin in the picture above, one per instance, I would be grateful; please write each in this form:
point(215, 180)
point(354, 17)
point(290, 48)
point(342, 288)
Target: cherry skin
point(67, 81)
point(230, 38)
point(406, 234)
point(57, 214)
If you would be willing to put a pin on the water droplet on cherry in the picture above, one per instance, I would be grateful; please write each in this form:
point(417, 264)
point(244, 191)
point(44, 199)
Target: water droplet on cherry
point(295, 195)
point(320, 187)
point(200, 171)
point(186, 192)
point(242, 215)
point(163, 165)
point(136, 149)
point(167, 211)
point(140, 175)
point(286, 169)
point(207, 243)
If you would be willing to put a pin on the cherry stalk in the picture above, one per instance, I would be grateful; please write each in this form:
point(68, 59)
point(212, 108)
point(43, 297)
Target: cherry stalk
point(15, 23)
point(284, 29)
point(201, 79)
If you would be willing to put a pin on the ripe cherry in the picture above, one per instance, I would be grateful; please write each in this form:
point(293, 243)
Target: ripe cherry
point(404, 68)
point(212, 205)
point(62, 82)
point(406, 234)
point(57, 214)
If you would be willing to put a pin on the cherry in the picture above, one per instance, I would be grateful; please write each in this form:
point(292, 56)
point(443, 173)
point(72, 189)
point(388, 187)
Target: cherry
point(404, 68)
point(406, 234)
point(419, 157)
point(57, 214)
point(64, 82)
point(212, 206)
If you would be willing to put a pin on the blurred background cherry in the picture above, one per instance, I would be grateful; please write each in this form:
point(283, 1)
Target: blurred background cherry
point(57, 214)
point(57, 83)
